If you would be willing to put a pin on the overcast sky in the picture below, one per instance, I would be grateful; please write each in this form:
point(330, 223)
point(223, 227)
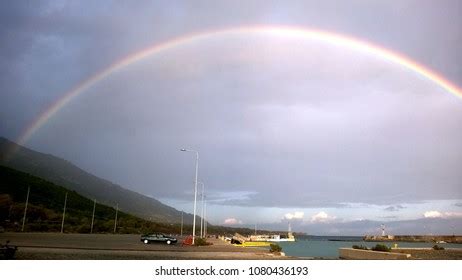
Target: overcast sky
point(287, 128)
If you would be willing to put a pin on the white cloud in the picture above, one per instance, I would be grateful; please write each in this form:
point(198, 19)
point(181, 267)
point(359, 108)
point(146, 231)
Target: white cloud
point(433, 214)
point(322, 217)
point(232, 221)
point(294, 216)
point(437, 214)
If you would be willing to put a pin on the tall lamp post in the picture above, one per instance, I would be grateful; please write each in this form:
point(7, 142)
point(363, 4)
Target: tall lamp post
point(64, 213)
point(202, 209)
point(25, 209)
point(205, 217)
point(195, 191)
point(181, 230)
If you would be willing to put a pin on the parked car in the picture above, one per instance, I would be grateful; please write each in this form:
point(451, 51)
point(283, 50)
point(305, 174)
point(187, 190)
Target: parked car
point(157, 237)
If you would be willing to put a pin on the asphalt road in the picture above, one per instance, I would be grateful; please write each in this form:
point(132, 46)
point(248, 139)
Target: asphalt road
point(84, 241)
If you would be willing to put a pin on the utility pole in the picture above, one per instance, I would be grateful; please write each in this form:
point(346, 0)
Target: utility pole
point(195, 193)
point(202, 211)
point(115, 220)
point(93, 216)
point(181, 224)
point(64, 213)
point(25, 209)
point(195, 198)
point(205, 219)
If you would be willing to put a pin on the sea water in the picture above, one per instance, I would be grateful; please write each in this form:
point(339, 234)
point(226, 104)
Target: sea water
point(324, 247)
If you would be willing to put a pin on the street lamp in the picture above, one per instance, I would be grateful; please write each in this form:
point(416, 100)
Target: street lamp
point(205, 217)
point(202, 209)
point(195, 191)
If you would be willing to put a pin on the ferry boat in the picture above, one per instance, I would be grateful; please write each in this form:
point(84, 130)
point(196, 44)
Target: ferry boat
point(272, 238)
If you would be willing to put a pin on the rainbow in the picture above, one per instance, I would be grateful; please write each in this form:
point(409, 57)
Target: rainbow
point(289, 32)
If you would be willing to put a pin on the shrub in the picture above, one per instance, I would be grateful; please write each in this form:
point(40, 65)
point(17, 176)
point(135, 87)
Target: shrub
point(381, 248)
point(275, 248)
point(436, 247)
point(359, 247)
point(82, 229)
point(201, 242)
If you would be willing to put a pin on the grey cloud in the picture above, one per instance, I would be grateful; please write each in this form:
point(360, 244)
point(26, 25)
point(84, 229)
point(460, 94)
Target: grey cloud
point(394, 208)
point(393, 217)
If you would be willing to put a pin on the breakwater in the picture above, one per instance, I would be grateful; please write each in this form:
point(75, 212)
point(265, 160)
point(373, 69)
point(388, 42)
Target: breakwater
point(415, 238)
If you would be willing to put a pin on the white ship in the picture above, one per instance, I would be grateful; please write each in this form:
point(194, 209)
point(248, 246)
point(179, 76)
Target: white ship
point(274, 237)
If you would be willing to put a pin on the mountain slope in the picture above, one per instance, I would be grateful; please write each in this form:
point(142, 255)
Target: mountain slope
point(66, 174)
point(45, 208)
